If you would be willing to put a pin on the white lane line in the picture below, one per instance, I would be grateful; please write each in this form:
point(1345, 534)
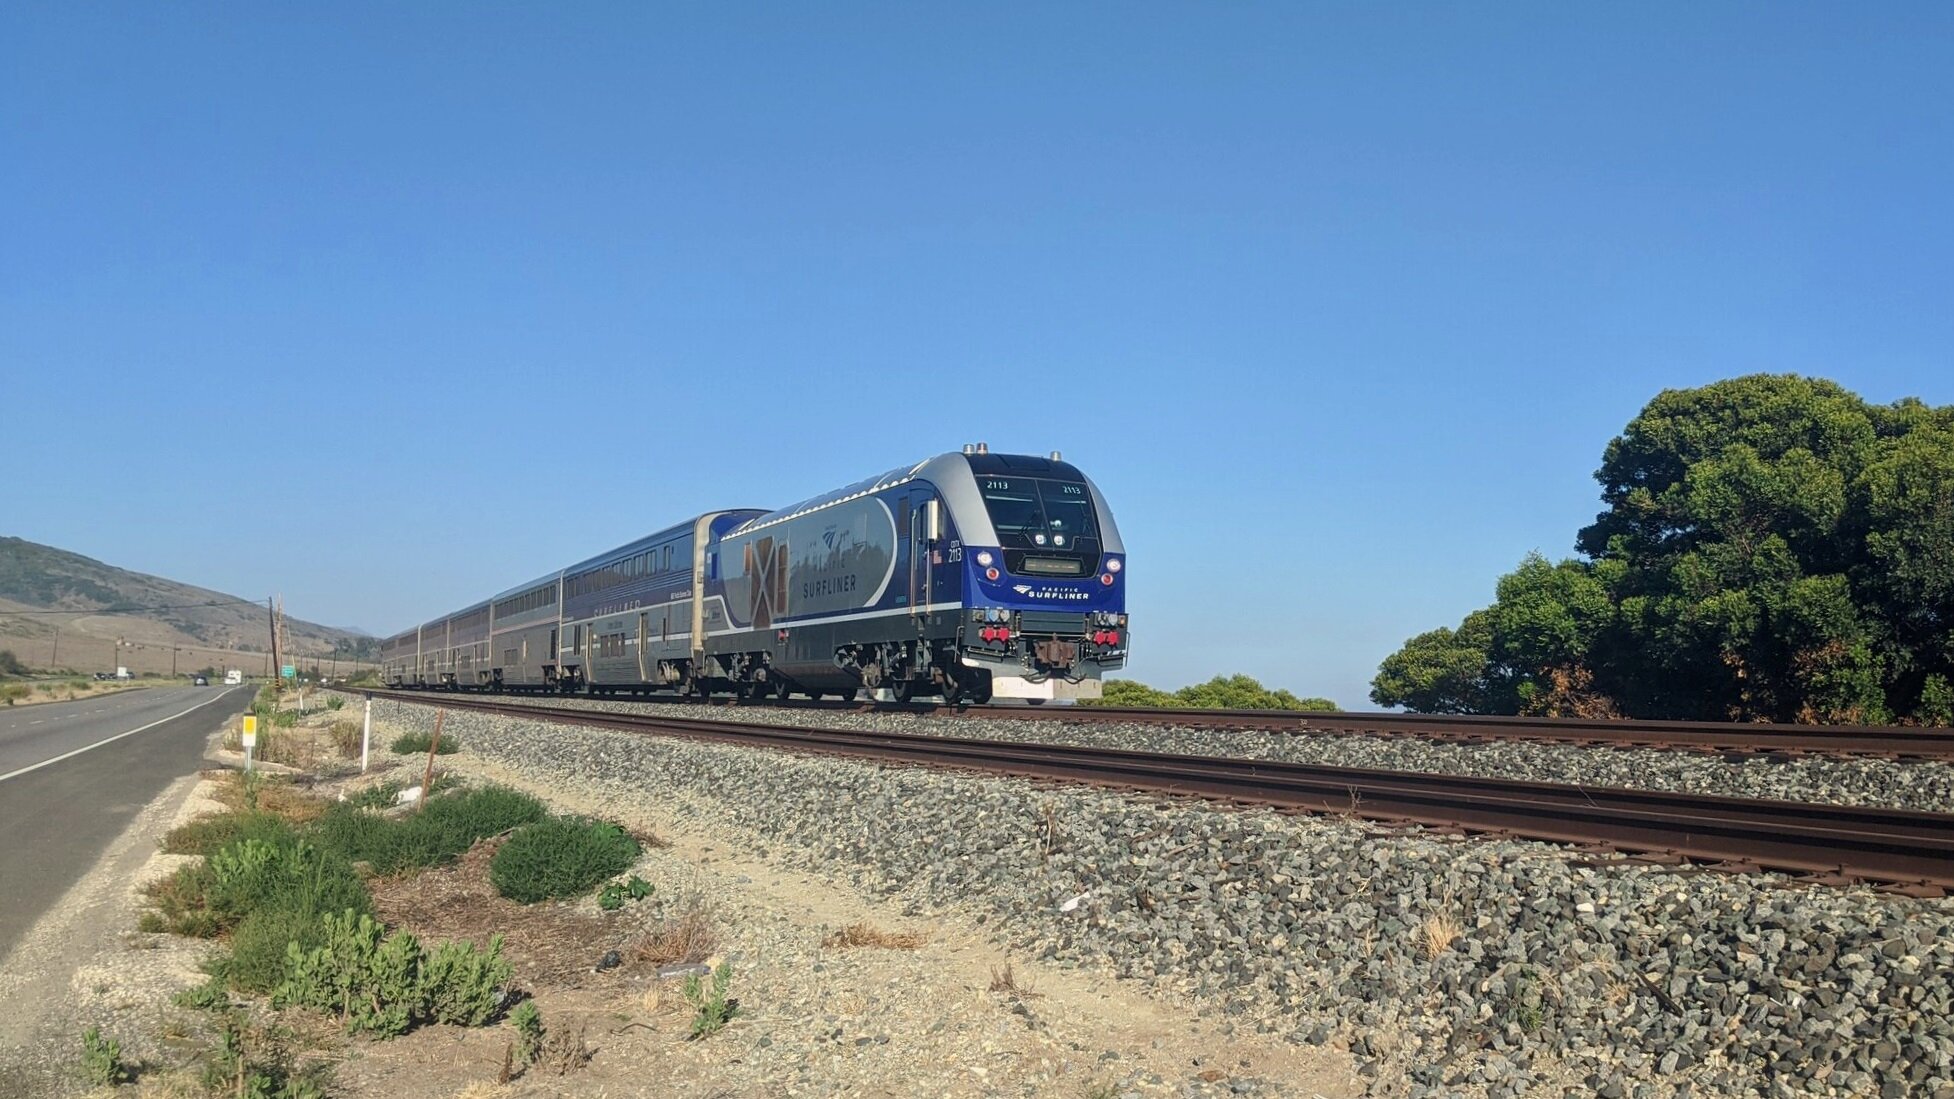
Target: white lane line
point(108, 740)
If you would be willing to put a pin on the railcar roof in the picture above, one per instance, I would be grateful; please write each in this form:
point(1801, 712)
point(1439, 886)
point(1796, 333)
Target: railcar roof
point(1021, 464)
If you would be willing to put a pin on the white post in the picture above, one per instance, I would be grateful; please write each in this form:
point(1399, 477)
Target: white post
point(366, 735)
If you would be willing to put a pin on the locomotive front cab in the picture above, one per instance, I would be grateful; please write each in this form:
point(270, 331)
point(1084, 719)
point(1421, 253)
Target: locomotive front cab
point(1045, 612)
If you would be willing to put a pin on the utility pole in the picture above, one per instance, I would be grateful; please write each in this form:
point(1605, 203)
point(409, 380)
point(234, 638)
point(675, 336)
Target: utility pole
point(272, 609)
point(172, 661)
point(54, 658)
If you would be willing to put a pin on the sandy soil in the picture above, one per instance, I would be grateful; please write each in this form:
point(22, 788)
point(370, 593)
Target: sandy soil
point(817, 1018)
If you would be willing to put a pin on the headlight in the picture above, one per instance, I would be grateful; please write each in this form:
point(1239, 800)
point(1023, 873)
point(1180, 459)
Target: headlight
point(984, 558)
point(1112, 564)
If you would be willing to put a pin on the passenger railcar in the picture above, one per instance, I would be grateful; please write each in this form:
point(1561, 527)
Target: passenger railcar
point(967, 576)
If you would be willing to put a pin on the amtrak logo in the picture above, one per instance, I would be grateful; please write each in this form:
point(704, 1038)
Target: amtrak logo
point(1021, 589)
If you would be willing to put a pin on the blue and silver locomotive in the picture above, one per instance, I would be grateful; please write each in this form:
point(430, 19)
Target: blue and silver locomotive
point(966, 576)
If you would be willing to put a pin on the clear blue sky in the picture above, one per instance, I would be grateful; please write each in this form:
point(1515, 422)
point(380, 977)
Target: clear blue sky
point(1338, 303)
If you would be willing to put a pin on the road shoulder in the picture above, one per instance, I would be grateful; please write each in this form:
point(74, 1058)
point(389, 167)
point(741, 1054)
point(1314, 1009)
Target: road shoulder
point(83, 963)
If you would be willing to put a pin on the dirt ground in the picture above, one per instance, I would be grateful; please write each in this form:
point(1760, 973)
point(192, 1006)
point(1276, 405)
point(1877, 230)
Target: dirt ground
point(936, 1010)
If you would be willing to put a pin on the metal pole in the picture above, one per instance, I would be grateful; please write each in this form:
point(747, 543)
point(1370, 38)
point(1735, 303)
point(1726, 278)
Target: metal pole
point(366, 734)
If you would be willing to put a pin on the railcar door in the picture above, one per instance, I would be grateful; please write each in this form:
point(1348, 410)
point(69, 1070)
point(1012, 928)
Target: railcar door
point(644, 643)
point(925, 534)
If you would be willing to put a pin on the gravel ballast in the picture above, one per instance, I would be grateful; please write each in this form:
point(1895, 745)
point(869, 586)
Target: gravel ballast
point(1922, 785)
point(1480, 967)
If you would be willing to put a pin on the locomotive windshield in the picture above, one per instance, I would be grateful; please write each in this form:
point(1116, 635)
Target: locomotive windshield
point(1027, 506)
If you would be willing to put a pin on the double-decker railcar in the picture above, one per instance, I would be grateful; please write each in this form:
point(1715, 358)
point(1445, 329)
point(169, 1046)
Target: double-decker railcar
point(968, 575)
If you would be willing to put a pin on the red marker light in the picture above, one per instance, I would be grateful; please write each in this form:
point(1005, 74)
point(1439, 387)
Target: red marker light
point(1106, 578)
point(990, 574)
point(987, 633)
point(1112, 638)
point(1004, 635)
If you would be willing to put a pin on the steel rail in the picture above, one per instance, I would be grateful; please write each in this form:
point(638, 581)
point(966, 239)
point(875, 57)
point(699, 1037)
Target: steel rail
point(1720, 736)
point(1913, 850)
point(1727, 737)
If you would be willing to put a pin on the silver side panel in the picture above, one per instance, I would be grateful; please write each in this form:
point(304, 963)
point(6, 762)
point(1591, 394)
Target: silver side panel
point(696, 630)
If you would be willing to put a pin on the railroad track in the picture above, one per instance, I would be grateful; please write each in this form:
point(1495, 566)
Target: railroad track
point(1723, 737)
point(1912, 852)
point(1707, 736)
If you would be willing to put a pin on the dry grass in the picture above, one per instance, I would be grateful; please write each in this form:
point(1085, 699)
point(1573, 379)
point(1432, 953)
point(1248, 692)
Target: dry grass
point(863, 934)
point(563, 1052)
point(278, 796)
point(1005, 979)
point(346, 737)
point(684, 939)
point(1441, 930)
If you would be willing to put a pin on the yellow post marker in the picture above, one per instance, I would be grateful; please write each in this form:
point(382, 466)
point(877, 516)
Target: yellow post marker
point(250, 737)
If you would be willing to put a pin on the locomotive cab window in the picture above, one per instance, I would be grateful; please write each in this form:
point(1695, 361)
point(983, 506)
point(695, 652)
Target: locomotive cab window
point(1029, 506)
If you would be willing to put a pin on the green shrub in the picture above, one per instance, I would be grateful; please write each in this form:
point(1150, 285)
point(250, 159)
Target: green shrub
point(272, 870)
point(335, 702)
point(101, 1059)
point(260, 943)
point(529, 1031)
point(13, 692)
point(711, 1009)
point(463, 986)
point(409, 743)
point(560, 857)
point(384, 984)
point(447, 826)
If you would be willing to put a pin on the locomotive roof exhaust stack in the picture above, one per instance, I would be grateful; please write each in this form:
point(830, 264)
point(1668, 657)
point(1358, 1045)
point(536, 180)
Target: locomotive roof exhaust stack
point(970, 448)
point(1055, 456)
point(983, 448)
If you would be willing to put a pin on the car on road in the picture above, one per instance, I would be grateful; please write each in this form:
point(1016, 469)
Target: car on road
point(200, 681)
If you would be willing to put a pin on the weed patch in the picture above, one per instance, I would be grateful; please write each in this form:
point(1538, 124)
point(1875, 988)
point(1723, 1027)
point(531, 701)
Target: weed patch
point(560, 857)
point(529, 1031)
point(862, 934)
point(443, 829)
point(208, 834)
point(614, 895)
point(410, 743)
point(346, 738)
point(269, 887)
point(711, 1010)
point(683, 939)
point(101, 1059)
point(384, 984)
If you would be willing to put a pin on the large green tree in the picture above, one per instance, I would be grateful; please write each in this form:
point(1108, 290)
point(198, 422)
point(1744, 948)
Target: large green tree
point(1773, 548)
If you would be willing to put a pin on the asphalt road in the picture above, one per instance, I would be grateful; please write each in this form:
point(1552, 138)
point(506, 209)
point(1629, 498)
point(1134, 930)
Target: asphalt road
point(73, 774)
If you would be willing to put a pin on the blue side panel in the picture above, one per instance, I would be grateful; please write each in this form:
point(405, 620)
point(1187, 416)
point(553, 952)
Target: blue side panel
point(849, 557)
